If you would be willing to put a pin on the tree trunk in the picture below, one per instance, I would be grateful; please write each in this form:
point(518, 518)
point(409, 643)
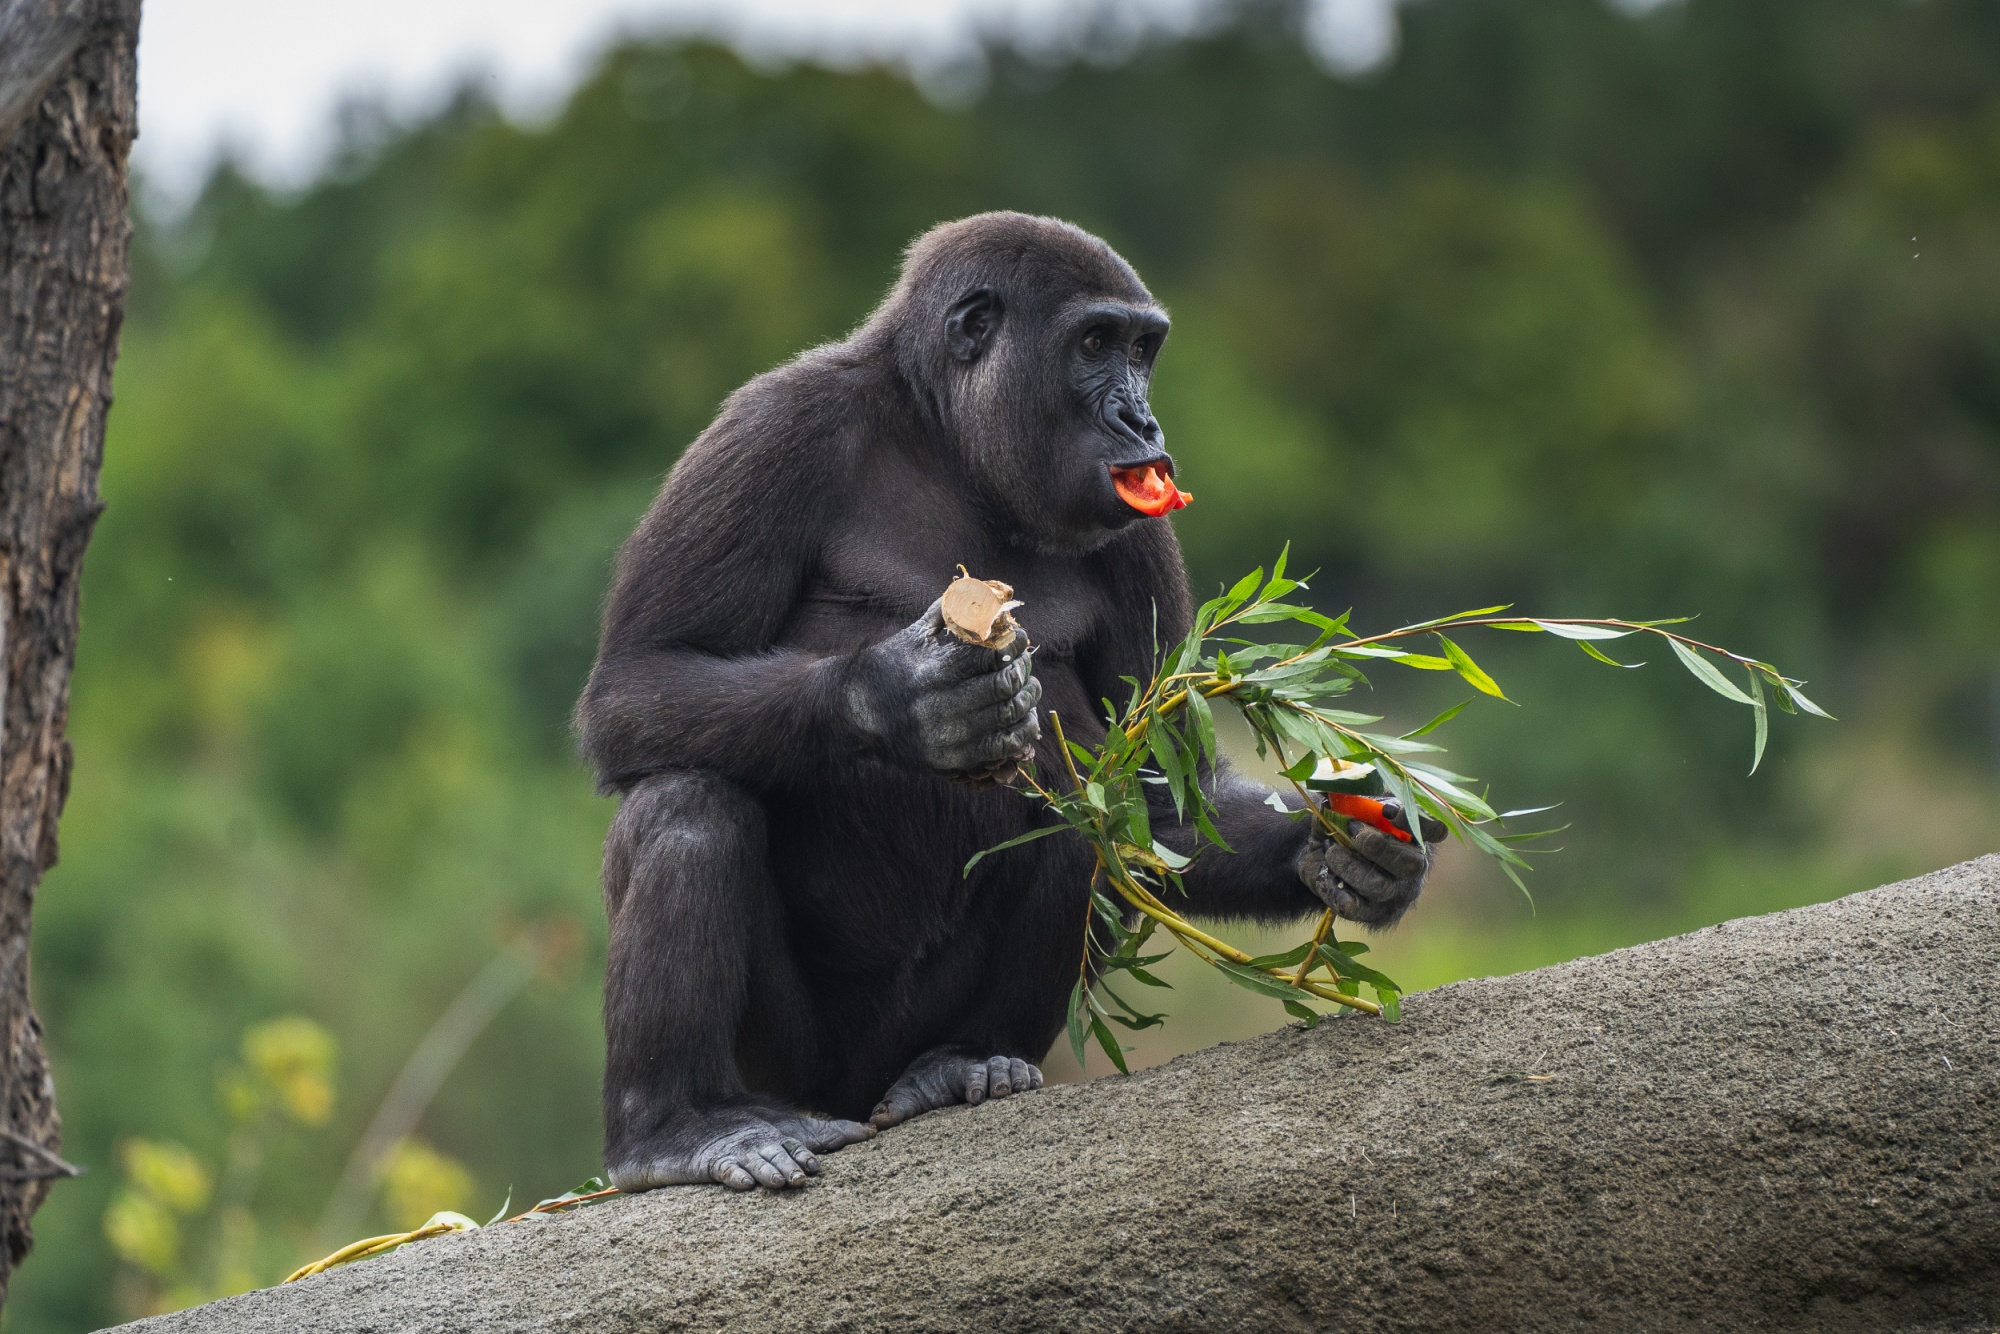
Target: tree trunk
point(68, 83)
point(1785, 1123)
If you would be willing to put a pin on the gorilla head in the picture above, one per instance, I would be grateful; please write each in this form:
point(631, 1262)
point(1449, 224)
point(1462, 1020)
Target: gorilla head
point(1033, 344)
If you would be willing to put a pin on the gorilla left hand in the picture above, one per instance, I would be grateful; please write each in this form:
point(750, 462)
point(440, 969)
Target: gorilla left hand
point(943, 705)
point(1375, 883)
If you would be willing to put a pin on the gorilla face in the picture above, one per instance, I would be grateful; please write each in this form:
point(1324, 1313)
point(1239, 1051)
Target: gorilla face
point(1110, 349)
point(1054, 408)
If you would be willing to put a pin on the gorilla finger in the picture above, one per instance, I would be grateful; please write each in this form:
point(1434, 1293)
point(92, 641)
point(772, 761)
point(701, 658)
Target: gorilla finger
point(888, 1113)
point(731, 1174)
point(803, 1156)
point(999, 1076)
point(975, 1084)
point(933, 617)
point(826, 1136)
point(971, 696)
point(1018, 1075)
point(761, 1167)
point(779, 1158)
point(1026, 733)
point(1002, 717)
point(1361, 875)
point(1005, 745)
point(1398, 858)
point(1024, 702)
point(1034, 1075)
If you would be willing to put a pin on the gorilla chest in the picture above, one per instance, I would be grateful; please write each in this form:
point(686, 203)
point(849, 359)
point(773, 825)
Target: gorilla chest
point(867, 584)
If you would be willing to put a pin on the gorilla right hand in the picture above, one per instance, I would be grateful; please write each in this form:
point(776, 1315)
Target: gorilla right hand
point(931, 701)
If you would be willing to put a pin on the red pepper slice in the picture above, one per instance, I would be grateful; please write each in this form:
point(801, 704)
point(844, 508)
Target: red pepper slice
point(1149, 490)
point(1369, 811)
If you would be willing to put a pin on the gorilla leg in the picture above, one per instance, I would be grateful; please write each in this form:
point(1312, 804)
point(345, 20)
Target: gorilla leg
point(694, 928)
point(1012, 1011)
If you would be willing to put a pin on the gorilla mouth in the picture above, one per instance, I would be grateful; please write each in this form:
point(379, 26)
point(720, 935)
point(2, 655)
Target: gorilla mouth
point(1149, 489)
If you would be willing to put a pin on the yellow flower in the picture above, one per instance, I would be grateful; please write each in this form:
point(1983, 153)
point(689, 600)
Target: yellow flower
point(166, 1173)
point(419, 1182)
point(143, 1233)
point(293, 1057)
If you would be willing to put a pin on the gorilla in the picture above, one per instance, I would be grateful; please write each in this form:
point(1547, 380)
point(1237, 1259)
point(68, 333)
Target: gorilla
point(796, 959)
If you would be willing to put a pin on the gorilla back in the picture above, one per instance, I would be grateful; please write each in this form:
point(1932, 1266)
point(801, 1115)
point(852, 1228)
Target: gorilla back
point(793, 945)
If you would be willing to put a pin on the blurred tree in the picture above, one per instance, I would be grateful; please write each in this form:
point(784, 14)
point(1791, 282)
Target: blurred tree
point(66, 126)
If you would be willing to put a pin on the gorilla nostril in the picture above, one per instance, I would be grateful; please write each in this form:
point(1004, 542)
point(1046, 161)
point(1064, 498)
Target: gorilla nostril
point(1142, 426)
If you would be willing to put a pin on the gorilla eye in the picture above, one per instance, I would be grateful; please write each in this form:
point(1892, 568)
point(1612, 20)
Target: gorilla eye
point(1142, 350)
point(1093, 342)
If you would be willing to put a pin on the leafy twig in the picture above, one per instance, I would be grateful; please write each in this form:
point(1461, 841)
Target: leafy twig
point(1165, 736)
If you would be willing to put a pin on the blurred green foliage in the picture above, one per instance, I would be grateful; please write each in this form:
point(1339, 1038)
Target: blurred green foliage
point(1692, 311)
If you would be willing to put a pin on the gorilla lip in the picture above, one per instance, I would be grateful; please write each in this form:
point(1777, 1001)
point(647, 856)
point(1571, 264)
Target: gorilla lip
point(1149, 489)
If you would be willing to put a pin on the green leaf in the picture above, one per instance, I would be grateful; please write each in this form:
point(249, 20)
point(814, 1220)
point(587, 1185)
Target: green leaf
point(1603, 657)
point(1167, 754)
point(1798, 698)
point(1763, 716)
point(1392, 1005)
point(1438, 721)
point(1343, 965)
point(1204, 724)
point(1399, 784)
point(1705, 672)
point(1311, 1018)
point(1528, 627)
point(1251, 980)
point(1244, 588)
point(1278, 566)
point(1470, 670)
point(1460, 616)
point(1302, 770)
point(1100, 1031)
point(1291, 958)
point(1371, 651)
point(1571, 631)
point(1076, 1024)
point(1015, 842)
point(1210, 832)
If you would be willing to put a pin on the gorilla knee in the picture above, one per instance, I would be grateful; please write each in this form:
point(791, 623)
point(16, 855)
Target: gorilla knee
point(678, 824)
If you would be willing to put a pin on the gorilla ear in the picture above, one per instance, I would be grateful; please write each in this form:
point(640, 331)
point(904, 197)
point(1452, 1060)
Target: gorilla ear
point(970, 325)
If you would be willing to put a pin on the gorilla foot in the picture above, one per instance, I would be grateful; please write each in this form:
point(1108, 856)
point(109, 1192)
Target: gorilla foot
point(737, 1147)
point(947, 1076)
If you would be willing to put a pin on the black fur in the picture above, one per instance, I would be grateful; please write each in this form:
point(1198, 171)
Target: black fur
point(790, 926)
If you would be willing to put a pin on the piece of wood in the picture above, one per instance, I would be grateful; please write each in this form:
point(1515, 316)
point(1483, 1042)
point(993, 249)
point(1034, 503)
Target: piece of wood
point(980, 611)
point(63, 270)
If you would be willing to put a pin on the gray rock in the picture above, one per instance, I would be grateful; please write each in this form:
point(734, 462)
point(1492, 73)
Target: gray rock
point(1782, 1123)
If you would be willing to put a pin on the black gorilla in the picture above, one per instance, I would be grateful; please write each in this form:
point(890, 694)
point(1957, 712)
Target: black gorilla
point(791, 936)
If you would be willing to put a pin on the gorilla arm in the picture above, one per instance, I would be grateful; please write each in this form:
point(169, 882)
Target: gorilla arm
point(690, 678)
point(687, 676)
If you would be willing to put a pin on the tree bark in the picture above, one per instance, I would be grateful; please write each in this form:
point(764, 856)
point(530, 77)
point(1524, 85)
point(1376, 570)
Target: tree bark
point(1782, 1123)
point(68, 86)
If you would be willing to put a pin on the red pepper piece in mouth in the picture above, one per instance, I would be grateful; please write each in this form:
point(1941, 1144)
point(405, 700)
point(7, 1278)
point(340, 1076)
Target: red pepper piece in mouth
point(1149, 490)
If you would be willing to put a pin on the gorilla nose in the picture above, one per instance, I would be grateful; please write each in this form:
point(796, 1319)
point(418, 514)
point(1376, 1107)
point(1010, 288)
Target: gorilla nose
point(1139, 423)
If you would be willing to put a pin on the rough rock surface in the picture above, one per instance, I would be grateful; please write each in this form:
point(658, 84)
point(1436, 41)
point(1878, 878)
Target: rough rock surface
point(1782, 1123)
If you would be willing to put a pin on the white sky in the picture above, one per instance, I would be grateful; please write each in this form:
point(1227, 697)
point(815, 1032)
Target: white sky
point(265, 75)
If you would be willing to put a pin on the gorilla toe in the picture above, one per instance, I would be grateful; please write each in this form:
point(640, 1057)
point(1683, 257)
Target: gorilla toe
point(947, 1076)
